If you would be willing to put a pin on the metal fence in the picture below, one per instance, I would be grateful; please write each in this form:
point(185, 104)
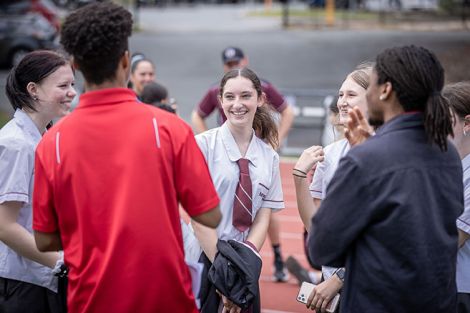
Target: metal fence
point(311, 111)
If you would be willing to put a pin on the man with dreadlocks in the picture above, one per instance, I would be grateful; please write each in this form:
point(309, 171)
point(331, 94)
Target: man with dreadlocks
point(397, 195)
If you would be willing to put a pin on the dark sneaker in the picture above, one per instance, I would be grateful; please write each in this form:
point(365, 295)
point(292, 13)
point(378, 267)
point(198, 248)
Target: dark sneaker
point(280, 274)
point(294, 267)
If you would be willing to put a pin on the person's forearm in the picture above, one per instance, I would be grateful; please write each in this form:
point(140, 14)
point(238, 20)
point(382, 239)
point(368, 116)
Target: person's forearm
point(287, 118)
point(207, 238)
point(305, 204)
point(463, 237)
point(22, 242)
point(198, 123)
point(259, 228)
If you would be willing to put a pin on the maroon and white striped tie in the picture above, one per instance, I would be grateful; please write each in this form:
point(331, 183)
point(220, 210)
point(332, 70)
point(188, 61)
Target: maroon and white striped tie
point(242, 205)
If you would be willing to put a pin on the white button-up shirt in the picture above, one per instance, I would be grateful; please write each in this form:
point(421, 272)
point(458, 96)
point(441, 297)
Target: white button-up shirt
point(325, 170)
point(222, 153)
point(463, 223)
point(321, 179)
point(18, 141)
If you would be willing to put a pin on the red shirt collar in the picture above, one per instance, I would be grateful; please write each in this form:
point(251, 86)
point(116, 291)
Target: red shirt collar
point(107, 96)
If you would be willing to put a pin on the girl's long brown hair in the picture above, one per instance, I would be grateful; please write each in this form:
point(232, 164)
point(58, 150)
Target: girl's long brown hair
point(264, 125)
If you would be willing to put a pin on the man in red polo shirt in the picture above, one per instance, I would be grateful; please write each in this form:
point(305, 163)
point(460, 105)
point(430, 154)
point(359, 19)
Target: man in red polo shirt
point(109, 179)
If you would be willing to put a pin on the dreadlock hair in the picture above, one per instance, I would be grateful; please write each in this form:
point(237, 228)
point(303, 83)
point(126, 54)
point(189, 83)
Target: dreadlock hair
point(33, 68)
point(417, 78)
point(263, 123)
point(458, 96)
point(96, 35)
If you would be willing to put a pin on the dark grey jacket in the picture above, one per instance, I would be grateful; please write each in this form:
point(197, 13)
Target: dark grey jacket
point(235, 273)
point(389, 217)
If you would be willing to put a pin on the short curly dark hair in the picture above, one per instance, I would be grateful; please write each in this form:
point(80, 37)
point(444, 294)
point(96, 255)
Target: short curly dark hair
point(96, 35)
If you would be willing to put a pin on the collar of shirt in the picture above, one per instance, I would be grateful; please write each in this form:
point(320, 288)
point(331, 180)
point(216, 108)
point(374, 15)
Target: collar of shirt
point(106, 96)
point(232, 148)
point(402, 121)
point(25, 122)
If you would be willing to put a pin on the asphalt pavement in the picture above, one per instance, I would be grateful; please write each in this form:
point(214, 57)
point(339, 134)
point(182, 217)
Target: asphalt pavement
point(185, 43)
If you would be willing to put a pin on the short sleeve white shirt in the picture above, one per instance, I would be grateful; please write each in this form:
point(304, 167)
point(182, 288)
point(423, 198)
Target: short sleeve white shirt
point(323, 174)
point(326, 169)
point(18, 141)
point(222, 153)
point(463, 223)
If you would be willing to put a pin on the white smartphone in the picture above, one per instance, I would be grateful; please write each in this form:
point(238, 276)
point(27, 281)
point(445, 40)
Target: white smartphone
point(305, 291)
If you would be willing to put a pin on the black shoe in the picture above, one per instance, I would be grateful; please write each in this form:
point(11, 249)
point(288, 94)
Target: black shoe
point(294, 267)
point(280, 274)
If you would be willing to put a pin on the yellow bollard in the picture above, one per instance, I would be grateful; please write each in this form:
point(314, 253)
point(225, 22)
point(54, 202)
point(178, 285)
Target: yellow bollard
point(330, 12)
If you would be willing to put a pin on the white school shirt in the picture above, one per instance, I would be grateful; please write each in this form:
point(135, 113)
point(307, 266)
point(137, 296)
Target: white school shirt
point(221, 153)
point(322, 177)
point(463, 223)
point(326, 169)
point(18, 141)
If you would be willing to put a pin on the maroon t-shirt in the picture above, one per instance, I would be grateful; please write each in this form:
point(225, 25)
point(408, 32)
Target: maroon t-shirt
point(210, 102)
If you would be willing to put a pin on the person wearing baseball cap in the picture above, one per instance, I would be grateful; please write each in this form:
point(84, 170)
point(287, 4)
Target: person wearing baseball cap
point(232, 58)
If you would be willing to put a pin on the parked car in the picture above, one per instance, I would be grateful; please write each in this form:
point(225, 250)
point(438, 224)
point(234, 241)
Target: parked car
point(26, 26)
point(72, 4)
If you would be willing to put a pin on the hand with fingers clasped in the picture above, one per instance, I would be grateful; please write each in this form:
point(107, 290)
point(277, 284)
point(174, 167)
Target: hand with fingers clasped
point(323, 293)
point(308, 159)
point(358, 129)
point(229, 306)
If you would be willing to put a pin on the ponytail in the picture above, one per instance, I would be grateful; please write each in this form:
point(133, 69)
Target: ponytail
point(438, 120)
point(18, 96)
point(33, 68)
point(265, 127)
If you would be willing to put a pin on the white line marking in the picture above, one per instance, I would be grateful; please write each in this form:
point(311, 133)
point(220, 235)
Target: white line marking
point(155, 126)
point(243, 205)
point(246, 193)
point(57, 152)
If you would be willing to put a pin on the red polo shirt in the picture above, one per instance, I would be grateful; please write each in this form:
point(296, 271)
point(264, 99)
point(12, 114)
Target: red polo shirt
point(109, 178)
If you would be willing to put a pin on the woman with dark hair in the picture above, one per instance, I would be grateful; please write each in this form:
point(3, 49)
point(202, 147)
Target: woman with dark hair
point(142, 73)
point(390, 210)
point(244, 168)
point(40, 89)
point(156, 94)
point(458, 95)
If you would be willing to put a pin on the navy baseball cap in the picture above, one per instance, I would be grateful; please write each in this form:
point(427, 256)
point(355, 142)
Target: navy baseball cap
point(232, 54)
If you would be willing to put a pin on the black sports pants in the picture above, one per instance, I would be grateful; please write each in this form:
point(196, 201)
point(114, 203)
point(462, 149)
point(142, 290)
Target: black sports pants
point(463, 302)
point(21, 297)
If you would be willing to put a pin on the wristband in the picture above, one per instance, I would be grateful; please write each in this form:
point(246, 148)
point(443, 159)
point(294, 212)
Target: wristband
point(251, 245)
point(301, 176)
point(300, 171)
point(340, 272)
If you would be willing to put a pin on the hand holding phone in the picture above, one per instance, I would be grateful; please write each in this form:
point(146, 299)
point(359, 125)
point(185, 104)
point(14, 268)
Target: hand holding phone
point(305, 291)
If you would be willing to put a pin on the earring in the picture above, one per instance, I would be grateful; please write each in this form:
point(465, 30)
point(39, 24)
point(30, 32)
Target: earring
point(465, 133)
point(35, 98)
point(382, 97)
